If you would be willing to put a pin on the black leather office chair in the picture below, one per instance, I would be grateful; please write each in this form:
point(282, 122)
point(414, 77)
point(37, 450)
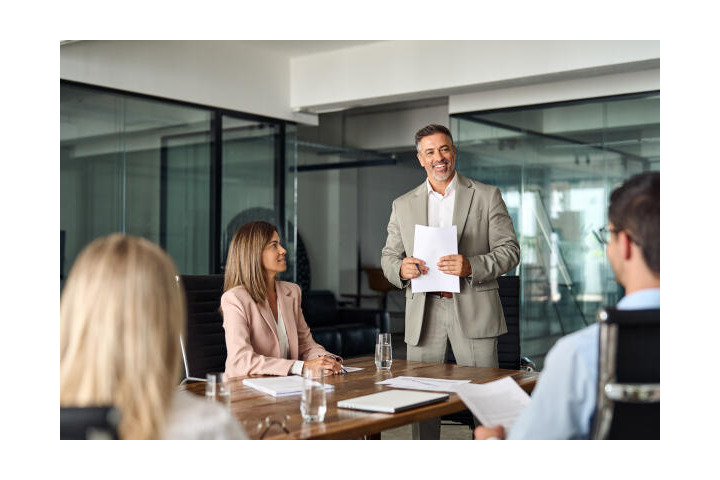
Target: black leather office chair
point(347, 332)
point(628, 405)
point(204, 347)
point(89, 423)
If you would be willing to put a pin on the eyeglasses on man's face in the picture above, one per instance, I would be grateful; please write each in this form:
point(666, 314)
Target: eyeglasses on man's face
point(603, 234)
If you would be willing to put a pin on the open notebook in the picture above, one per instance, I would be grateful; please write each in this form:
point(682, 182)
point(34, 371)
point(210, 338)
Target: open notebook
point(391, 401)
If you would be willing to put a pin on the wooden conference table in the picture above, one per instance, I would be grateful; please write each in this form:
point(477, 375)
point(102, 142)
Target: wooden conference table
point(249, 404)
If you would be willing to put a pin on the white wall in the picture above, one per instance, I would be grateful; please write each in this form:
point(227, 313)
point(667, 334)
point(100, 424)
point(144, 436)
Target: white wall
point(385, 72)
point(557, 91)
point(226, 74)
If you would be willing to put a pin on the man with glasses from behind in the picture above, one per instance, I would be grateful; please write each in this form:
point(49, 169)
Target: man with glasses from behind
point(563, 403)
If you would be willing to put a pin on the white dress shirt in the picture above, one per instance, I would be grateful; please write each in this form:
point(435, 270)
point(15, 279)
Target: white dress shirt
point(297, 367)
point(440, 207)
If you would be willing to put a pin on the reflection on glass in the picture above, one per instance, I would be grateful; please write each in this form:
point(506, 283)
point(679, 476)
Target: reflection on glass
point(136, 166)
point(143, 166)
point(556, 166)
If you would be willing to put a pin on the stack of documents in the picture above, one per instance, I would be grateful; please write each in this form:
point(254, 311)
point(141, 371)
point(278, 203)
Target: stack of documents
point(279, 386)
point(424, 383)
point(495, 403)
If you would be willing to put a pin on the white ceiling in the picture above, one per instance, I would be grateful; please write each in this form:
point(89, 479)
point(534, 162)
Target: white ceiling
point(289, 48)
point(298, 48)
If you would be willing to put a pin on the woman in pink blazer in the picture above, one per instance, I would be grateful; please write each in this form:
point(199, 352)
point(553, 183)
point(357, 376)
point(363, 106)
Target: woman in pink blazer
point(265, 331)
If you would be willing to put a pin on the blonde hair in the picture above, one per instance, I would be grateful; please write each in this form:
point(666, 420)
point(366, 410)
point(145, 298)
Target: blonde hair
point(244, 261)
point(121, 315)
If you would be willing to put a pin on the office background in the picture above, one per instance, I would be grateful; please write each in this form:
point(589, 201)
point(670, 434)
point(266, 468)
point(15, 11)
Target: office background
point(181, 142)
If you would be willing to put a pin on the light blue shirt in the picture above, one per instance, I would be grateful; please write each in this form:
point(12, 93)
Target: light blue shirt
point(563, 402)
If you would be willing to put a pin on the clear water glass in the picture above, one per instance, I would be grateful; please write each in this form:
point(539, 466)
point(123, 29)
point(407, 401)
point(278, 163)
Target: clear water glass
point(217, 389)
point(313, 404)
point(383, 351)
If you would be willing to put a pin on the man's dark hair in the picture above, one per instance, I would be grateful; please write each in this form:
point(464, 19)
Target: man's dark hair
point(635, 209)
point(431, 129)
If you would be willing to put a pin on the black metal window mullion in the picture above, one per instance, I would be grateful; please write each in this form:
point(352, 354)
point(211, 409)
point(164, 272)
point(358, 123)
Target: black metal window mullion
point(215, 191)
point(279, 181)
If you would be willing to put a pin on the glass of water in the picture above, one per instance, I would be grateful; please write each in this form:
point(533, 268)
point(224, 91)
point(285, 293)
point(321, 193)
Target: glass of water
point(217, 389)
point(313, 403)
point(383, 351)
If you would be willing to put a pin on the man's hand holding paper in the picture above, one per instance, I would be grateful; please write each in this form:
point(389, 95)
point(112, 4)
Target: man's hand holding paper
point(412, 267)
point(437, 245)
point(455, 265)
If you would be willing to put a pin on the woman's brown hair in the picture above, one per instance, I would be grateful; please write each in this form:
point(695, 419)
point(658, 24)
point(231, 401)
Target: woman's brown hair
point(244, 261)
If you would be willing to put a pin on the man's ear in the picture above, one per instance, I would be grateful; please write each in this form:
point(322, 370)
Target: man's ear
point(419, 157)
point(625, 244)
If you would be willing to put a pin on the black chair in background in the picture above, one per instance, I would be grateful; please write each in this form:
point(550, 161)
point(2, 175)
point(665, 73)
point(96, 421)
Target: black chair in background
point(628, 405)
point(348, 332)
point(89, 423)
point(204, 347)
point(509, 343)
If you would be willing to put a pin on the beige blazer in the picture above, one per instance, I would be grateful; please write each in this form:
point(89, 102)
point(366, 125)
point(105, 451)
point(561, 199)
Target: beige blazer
point(485, 236)
point(251, 332)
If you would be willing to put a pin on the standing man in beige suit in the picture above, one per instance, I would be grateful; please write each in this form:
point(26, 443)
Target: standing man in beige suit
point(487, 248)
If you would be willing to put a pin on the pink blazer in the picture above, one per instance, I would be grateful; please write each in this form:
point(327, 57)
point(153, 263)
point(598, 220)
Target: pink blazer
point(251, 332)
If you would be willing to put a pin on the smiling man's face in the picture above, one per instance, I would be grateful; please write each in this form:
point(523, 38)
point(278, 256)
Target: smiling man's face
point(437, 156)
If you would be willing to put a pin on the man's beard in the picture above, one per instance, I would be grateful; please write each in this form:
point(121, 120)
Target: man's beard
point(441, 178)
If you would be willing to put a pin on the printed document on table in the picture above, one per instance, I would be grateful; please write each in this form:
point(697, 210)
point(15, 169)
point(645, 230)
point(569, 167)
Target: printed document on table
point(495, 403)
point(424, 383)
point(431, 243)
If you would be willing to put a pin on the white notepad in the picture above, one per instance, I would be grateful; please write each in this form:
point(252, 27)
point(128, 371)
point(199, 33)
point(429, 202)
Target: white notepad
point(391, 401)
point(279, 386)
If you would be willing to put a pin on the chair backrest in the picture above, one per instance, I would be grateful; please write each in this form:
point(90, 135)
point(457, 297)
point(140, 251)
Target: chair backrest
point(319, 308)
point(509, 343)
point(628, 405)
point(89, 423)
point(204, 347)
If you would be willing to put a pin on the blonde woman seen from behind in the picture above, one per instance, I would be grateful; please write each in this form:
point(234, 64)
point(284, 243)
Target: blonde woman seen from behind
point(121, 315)
point(265, 331)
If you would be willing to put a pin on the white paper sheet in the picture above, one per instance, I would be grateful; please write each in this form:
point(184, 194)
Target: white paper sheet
point(431, 243)
point(424, 383)
point(499, 402)
point(351, 369)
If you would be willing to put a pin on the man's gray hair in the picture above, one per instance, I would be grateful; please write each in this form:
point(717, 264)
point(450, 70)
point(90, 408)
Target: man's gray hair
point(431, 129)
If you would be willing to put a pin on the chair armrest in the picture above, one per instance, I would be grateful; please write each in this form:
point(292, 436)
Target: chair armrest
point(527, 365)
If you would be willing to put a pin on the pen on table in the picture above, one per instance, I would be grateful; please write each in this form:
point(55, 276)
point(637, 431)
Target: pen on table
point(337, 360)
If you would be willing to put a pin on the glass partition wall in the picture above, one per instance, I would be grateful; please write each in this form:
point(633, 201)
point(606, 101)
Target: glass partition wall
point(556, 166)
point(150, 167)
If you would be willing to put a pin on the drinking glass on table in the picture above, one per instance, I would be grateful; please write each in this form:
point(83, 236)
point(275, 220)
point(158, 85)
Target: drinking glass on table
point(383, 351)
point(313, 403)
point(217, 389)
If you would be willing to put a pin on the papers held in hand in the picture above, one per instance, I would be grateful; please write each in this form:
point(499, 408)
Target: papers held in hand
point(279, 386)
point(495, 403)
point(391, 401)
point(431, 243)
